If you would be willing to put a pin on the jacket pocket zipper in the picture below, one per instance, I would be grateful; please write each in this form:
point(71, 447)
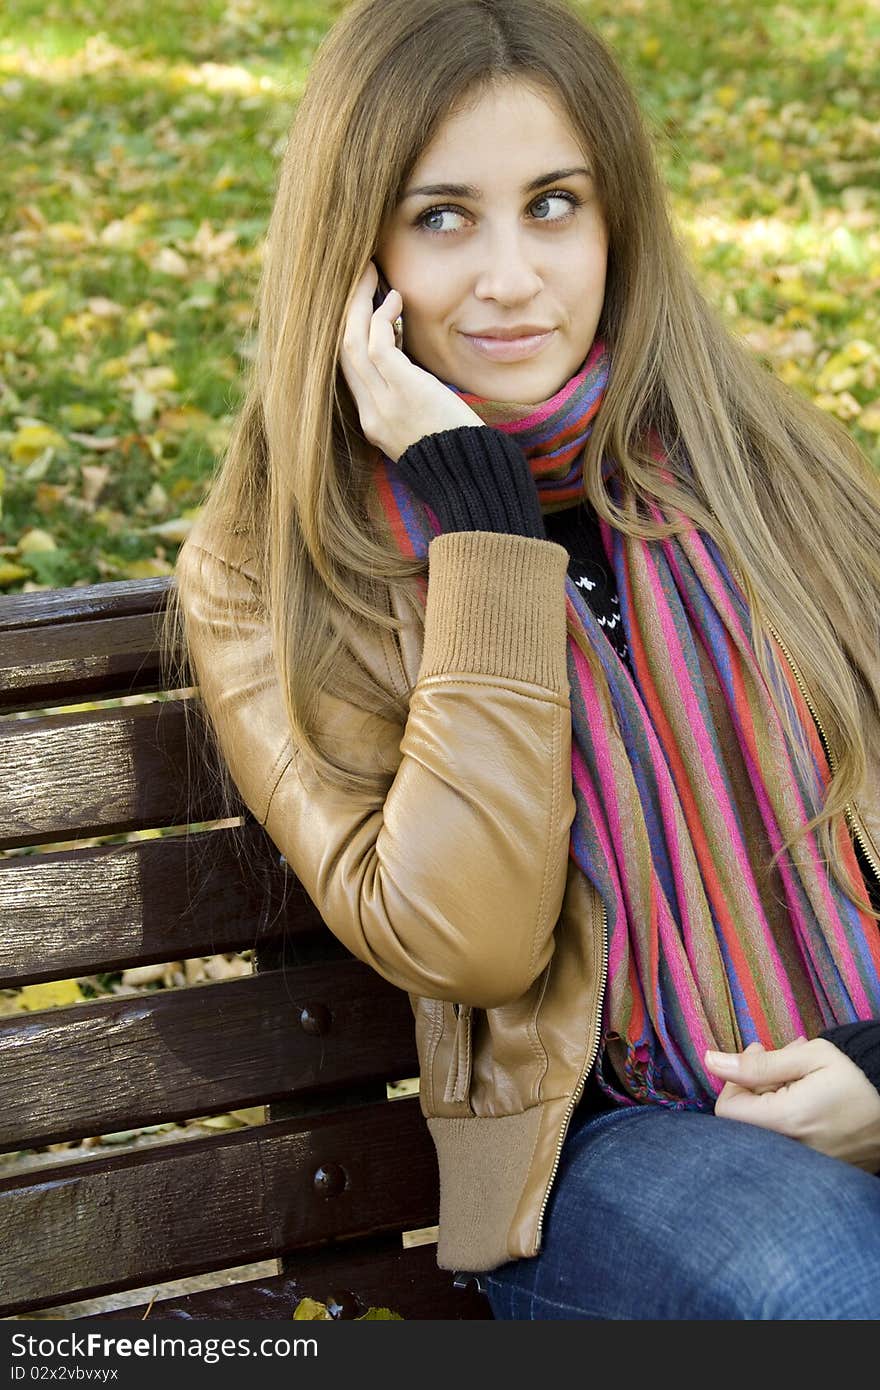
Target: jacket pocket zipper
point(458, 1079)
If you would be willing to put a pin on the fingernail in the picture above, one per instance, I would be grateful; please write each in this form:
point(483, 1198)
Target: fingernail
point(721, 1061)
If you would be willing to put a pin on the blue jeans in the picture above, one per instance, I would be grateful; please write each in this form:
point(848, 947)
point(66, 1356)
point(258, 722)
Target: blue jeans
point(685, 1215)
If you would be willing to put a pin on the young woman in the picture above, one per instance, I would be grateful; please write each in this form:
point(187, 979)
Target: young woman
point(539, 626)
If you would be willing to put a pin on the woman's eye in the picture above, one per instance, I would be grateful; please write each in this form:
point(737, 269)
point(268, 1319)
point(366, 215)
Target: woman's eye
point(566, 198)
point(436, 213)
point(431, 218)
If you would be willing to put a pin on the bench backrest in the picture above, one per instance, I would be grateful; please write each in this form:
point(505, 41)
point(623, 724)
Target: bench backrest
point(336, 1175)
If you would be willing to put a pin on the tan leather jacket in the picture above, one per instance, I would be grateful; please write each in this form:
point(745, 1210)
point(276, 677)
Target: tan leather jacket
point(458, 886)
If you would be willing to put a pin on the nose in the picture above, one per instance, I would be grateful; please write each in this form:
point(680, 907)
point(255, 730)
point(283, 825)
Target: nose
point(507, 272)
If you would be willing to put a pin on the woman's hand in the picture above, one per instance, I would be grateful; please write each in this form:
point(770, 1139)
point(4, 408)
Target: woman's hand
point(397, 401)
point(808, 1090)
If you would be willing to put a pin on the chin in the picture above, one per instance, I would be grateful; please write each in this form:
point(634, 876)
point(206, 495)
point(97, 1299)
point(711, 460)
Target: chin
point(521, 383)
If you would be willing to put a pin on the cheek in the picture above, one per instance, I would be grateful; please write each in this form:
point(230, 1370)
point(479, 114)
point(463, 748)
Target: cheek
point(596, 260)
point(581, 268)
point(427, 307)
point(594, 276)
point(402, 269)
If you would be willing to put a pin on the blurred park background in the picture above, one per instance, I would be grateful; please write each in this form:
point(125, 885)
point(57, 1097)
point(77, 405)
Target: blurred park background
point(141, 140)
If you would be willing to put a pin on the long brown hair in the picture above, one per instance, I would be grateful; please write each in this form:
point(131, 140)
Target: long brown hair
point(772, 478)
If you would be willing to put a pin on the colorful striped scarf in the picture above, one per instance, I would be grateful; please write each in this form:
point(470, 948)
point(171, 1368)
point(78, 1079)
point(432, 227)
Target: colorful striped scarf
point(680, 806)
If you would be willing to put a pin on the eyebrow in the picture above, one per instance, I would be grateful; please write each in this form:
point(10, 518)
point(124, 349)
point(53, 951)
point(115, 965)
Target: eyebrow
point(467, 190)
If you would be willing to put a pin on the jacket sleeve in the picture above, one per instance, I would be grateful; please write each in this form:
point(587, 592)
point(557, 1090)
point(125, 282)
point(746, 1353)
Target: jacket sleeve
point(451, 883)
point(861, 1043)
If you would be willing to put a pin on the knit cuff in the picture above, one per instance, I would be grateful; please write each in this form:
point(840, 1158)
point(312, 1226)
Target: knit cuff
point(861, 1043)
point(496, 607)
point(474, 478)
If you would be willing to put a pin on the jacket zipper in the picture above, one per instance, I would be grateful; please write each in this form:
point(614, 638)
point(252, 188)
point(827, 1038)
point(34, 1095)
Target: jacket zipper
point(579, 1089)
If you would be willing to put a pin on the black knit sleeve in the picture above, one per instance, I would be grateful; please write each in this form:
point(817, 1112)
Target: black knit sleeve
point(474, 478)
point(861, 1043)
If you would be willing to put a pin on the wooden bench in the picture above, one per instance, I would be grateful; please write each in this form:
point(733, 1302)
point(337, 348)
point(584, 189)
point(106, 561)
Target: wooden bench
point(327, 1186)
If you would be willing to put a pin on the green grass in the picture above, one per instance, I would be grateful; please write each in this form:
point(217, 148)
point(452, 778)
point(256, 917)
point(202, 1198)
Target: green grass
point(141, 144)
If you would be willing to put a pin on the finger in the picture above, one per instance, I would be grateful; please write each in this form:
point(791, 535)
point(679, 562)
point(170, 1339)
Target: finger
point(359, 313)
point(766, 1068)
point(729, 1089)
point(354, 352)
point(760, 1089)
point(732, 1087)
point(382, 346)
point(359, 305)
point(752, 1047)
point(769, 1110)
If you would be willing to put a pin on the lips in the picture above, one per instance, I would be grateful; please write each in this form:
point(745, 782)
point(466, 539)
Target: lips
point(509, 349)
point(515, 330)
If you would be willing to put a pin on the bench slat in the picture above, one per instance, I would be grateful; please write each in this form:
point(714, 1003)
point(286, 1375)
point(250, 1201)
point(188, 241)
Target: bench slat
point(75, 912)
point(66, 662)
point(85, 1229)
point(378, 1272)
point(100, 772)
point(98, 1068)
point(116, 598)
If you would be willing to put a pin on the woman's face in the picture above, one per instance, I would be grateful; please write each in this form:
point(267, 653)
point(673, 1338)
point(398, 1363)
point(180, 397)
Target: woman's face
point(523, 247)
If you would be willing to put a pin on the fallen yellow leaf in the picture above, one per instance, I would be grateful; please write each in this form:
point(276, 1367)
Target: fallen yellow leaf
point(837, 375)
point(34, 540)
point(48, 495)
point(310, 1310)
point(727, 97)
point(151, 568)
point(179, 419)
point(225, 178)
point(827, 302)
point(51, 994)
point(9, 573)
point(177, 529)
point(104, 308)
point(159, 342)
point(66, 233)
point(159, 378)
point(114, 367)
point(858, 351)
point(170, 262)
point(32, 303)
point(843, 405)
point(30, 441)
point(82, 416)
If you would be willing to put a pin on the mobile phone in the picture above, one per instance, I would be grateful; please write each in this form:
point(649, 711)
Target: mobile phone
point(382, 290)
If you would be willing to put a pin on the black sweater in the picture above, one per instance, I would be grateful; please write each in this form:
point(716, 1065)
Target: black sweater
point(475, 478)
